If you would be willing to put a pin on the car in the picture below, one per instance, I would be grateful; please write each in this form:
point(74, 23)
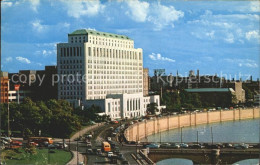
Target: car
point(89, 136)
point(89, 144)
point(241, 146)
point(90, 151)
point(113, 133)
point(33, 144)
point(99, 152)
point(228, 145)
point(4, 142)
point(131, 123)
point(109, 139)
point(8, 139)
point(153, 145)
point(16, 143)
point(197, 146)
point(120, 156)
point(174, 145)
point(110, 154)
point(114, 122)
point(62, 145)
point(184, 145)
point(53, 146)
point(165, 145)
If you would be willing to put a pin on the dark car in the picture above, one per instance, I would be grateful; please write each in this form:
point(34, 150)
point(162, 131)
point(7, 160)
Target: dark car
point(197, 146)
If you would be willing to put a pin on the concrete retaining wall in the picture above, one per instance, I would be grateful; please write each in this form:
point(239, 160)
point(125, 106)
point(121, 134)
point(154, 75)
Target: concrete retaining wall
point(143, 129)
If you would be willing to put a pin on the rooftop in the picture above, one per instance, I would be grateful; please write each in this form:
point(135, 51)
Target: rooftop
point(210, 90)
point(97, 33)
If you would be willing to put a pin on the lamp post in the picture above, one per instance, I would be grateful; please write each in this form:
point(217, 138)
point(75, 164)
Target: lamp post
point(211, 135)
point(8, 120)
point(197, 137)
point(181, 134)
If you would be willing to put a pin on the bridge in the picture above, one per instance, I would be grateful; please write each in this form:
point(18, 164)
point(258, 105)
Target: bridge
point(205, 156)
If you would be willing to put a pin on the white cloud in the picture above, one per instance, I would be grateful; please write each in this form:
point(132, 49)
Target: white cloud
point(23, 60)
point(229, 38)
point(5, 4)
point(210, 34)
point(155, 13)
point(138, 10)
point(159, 57)
point(37, 26)
point(229, 28)
point(80, 8)
point(8, 59)
point(252, 35)
point(243, 62)
point(34, 4)
point(162, 15)
point(255, 6)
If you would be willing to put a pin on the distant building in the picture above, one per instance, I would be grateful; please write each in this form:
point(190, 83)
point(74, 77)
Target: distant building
point(215, 96)
point(36, 84)
point(4, 82)
point(239, 91)
point(111, 67)
point(146, 81)
point(257, 99)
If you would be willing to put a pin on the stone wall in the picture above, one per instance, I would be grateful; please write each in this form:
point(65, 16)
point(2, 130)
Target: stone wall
point(142, 129)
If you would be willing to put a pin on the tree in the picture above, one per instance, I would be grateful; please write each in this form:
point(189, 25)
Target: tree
point(152, 108)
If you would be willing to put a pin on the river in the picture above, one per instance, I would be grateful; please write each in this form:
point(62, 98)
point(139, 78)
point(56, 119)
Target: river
point(231, 131)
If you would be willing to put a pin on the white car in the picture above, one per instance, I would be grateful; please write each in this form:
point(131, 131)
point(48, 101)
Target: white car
point(110, 154)
point(109, 139)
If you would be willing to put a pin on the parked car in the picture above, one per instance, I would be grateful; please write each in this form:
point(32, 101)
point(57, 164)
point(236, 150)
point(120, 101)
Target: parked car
point(62, 145)
point(99, 152)
point(89, 144)
point(110, 154)
point(153, 145)
point(16, 143)
point(90, 151)
point(241, 146)
point(174, 145)
point(228, 145)
point(165, 145)
point(184, 145)
point(33, 144)
point(197, 146)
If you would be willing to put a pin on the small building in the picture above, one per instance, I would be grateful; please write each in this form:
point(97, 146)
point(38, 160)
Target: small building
point(4, 87)
point(222, 97)
point(125, 105)
point(257, 99)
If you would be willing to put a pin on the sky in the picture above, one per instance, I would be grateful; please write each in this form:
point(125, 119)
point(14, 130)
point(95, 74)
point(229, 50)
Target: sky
point(216, 37)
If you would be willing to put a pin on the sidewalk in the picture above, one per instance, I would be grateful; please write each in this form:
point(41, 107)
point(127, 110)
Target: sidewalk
point(85, 130)
point(74, 160)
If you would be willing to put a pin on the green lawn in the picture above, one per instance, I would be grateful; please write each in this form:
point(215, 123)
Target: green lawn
point(41, 158)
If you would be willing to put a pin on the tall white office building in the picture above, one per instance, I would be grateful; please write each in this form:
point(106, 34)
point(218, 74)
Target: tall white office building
point(103, 69)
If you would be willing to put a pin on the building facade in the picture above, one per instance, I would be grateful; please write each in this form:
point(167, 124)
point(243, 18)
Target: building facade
point(4, 87)
point(146, 81)
point(94, 65)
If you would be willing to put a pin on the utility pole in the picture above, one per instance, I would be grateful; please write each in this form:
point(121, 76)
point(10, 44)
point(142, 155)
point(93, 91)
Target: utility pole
point(211, 136)
point(197, 137)
point(181, 134)
point(136, 144)
point(8, 120)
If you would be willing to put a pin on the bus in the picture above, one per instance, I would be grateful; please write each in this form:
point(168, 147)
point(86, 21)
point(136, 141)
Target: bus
point(40, 140)
point(106, 147)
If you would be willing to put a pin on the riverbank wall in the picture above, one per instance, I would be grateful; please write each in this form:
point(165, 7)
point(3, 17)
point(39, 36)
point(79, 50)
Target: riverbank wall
point(143, 129)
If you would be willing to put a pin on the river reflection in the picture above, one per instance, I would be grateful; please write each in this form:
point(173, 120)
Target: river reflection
point(232, 131)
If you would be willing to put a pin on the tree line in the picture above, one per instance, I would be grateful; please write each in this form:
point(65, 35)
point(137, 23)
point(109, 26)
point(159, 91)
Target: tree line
point(54, 118)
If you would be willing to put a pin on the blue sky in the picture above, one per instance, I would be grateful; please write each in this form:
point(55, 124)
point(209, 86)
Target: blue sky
point(212, 36)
